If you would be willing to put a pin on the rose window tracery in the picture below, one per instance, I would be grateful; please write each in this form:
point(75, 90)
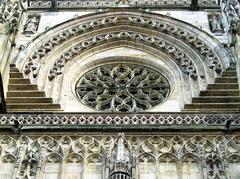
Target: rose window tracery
point(122, 88)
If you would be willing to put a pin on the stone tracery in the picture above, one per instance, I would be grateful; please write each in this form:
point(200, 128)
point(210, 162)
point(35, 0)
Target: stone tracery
point(122, 88)
point(151, 155)
point(196, 56)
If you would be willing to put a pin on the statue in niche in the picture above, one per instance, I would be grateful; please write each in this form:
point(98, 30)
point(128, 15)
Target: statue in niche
point(215, 24)
point(29, 165)
point(215, 168)
point(231, 8)
point(31, 24)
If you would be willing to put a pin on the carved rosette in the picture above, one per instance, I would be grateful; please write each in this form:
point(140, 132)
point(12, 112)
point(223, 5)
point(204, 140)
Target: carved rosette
point(122, 88)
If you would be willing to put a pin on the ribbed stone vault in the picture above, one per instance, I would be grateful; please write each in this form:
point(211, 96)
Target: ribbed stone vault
point(193, 58)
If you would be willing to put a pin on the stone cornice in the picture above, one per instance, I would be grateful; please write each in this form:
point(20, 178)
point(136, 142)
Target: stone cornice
point(94, 4)
point(124, 122)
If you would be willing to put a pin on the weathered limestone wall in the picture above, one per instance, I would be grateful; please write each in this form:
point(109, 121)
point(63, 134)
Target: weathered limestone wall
point(86, 156)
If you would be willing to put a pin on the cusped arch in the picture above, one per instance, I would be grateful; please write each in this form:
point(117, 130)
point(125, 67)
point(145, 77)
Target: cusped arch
point(167, 156)
point(8, 158)
point(191, 155)
point(145, 154)
point(73, 158)
point(193, 51)
point(234, 158)
point(52, 158)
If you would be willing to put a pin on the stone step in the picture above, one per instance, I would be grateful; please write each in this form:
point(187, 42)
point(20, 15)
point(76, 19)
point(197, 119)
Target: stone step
point(15, 75)
point(19, 81)
point(217, 99)
point(226, 80)
point(29, 100)
point(212, 93)
point(232, 67)
point(22, 87)
point(219, 86)
point(14, 69)
point(12, 65)
point(34, 110)
point(229, 73)
point(25, 94)
point(30, 106)
point(235, 110)
point(213, 106)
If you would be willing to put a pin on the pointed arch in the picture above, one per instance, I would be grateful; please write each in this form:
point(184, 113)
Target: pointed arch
point(147, 166)
point(234, 165)
point(191, 168)
point(52, 166)
point(168, 166)
point(7, 164)
point(95, 164)
point(73, 166)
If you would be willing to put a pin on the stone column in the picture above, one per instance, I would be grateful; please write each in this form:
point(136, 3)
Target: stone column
point(5, 48)
point(237, 53)
point(39, 172)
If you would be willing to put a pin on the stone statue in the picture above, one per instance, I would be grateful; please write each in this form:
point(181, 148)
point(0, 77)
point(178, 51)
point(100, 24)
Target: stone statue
point(215, 24)
point(120, 148)
point(31, 25)
point(231, 9)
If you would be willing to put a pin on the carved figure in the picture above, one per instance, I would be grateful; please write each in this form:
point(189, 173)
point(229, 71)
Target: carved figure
point(232, 12)
point(31, 25)
point(215, 24)
point(120, 148)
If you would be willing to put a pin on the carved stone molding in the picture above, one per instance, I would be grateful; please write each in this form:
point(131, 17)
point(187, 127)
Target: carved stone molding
point(178, 55)
point(120, 119)
point(73, 4)
point(212, 156)
point(186, 37)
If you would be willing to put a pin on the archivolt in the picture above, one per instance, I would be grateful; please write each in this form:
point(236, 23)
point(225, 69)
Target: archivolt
point(195, 52)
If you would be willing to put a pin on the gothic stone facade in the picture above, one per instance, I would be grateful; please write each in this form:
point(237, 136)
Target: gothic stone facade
point(121, 89)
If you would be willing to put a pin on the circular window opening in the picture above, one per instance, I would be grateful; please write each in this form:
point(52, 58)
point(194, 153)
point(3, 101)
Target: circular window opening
point(122, 88)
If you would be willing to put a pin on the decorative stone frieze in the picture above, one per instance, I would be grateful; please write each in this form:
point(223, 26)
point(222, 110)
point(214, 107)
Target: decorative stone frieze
point(108, 155)
point(73, 4)
point(206, 3)
point(120, 119)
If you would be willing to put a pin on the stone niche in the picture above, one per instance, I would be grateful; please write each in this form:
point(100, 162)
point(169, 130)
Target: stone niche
point(96, 156)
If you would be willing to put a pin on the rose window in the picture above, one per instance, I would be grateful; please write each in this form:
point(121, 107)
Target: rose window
point(122, 88)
